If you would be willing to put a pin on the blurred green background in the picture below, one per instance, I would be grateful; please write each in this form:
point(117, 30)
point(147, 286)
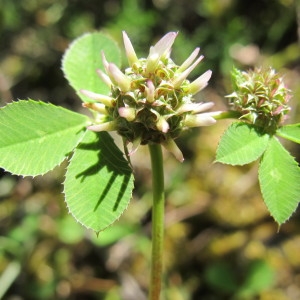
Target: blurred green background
point(221, 242)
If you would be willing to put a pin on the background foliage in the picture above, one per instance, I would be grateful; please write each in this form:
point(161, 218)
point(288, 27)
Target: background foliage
point(215, 214)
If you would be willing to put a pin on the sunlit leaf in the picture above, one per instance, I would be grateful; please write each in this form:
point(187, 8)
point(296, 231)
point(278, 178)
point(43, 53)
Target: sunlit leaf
point(279, 177)
point(99, 182)
point(83, 58)
point(69, 231)
point(259, 277)
point(241, 144)
point(290, 132)
point(36, 136)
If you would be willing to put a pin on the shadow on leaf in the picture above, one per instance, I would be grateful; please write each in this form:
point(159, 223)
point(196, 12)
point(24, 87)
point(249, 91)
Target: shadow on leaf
point(110, 157)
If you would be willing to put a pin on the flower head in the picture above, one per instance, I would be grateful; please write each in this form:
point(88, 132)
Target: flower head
point(261, 98)
point(152, 101)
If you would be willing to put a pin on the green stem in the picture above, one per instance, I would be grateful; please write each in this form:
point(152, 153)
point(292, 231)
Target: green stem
point(157, 220)
point(230, 114)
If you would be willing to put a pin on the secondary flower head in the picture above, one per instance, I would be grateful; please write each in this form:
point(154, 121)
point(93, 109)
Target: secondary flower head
point(152, 101)
point(261, 98)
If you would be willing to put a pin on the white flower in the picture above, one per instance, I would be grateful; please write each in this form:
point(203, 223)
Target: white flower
point(152, 102)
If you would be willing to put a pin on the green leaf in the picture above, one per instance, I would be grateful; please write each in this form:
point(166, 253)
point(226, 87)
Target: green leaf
point(220, 276)
point(68, 230)
point(99, 182)
point(83, 58)
point(259, 277)
point(290, 132)
point(36, 136)
point(241, 144)
point(279, 177)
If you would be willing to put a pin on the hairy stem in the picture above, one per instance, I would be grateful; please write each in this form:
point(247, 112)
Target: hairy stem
point(157, 220)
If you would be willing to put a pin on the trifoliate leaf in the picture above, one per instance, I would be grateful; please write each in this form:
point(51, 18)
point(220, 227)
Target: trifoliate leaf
point(279, 177)
point(83, 58)
point(290, 132)
point(36, 136)
point(241, 144)
point(99, 182)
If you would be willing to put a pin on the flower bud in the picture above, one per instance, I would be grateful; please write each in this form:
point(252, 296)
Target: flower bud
point(179, 79)
point(189, 60)
point(171, 146)
point(159, 50)
point(195, 108)
point(99, 107)
point(149, 90)
point(106, 100)
point(127, 112)
point(105, 78)
point(261, 98)
point(200, 83)
point(162, 125)
point(199, 120)
point(130, 53)
point(107, 126)
point(118, 77)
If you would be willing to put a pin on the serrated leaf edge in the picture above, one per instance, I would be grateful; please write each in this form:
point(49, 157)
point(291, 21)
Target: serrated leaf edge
point(259, 170)
point(66, 157)
point(78, 221)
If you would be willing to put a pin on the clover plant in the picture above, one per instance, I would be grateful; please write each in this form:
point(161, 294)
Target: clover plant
point(151, 102)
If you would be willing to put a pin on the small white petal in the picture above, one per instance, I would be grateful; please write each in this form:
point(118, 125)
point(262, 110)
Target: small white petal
point(130, 53)
point(202, 107)
point(99, 107)
point(127, 112)
point(104, 77)
point(164, 44)
point(162, 125)
point(187, 107)
point(107, 126)
point(204, 119)
point(152, 62)
point(179, 79)
point(104, 61)
point(200, 83)
point(150, 89)
point(171, 146)
point(194, 107)
point(189, 60)
point(118, 77)
point(159, 50)
point(106, 100)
